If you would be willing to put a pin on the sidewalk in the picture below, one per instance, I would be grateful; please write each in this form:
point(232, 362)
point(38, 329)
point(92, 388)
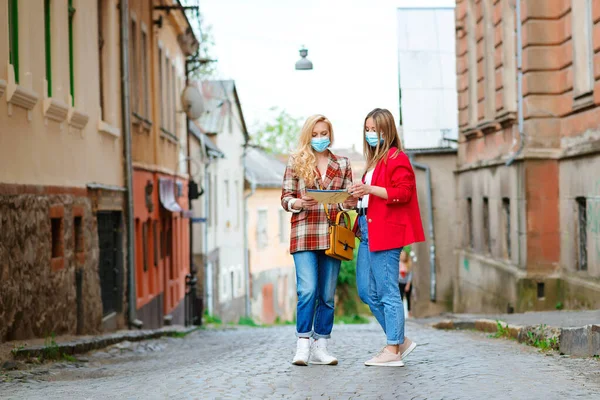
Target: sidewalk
point(574, 333)
point(59, 346)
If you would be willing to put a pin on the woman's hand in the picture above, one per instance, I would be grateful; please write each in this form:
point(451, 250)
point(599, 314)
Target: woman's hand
point(350, 202)
point(307, 201)
point(359, 190)
point(407, 288)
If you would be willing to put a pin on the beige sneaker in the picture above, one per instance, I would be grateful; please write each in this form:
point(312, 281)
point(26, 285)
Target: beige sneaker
point(386, 358)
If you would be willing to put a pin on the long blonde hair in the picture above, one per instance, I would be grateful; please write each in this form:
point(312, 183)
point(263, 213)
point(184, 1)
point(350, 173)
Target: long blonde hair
point(304, 159)
point(386, 130)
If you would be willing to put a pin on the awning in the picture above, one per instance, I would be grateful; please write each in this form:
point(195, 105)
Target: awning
point(167, 195)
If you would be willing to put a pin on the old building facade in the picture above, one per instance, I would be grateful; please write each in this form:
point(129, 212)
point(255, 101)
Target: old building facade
point(159, 43)
point(61, 177)
point(219, 237)
point(271, 266)
point(528, 81)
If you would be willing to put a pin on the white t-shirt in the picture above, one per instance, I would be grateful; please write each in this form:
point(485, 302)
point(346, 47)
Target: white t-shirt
point(364, 203)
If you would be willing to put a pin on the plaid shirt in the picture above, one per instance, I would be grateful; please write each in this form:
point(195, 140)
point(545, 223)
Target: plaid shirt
point(310, 228)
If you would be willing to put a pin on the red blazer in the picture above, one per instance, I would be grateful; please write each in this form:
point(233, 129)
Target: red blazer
point(395, 222)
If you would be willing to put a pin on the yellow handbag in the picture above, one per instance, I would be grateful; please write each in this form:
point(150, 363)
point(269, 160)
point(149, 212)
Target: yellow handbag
point(342, 240)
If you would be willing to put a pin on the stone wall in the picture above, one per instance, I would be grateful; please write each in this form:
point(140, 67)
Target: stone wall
point(38, 295)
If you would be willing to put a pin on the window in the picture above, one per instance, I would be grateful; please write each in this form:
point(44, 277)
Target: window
point(57, 229)
point(48, 46)
point(154, 241)
point(145, 245)
point(216, 203)
point(283, 226)
point(262, 239)
point(582, 234)
point(101, 56)
point(227, 199)
point(71, 55)
point(506, 218)
point(13, 36)
point(145, 83)
point(173, 100)
point(167, 100)
point(236, 201)
point(232, 284)
point(135, 87)
point(470, 221)
point(583, 53)
point(489, 62)
point(486, 225)
point(78, 233)
point(211, 197)
point(472, 63)
point(161, 89)
point(509, 62)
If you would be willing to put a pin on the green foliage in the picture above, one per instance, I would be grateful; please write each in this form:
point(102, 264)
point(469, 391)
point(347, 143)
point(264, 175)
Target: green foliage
point(16, 349)
point(199, 66)
point(278, 321)
point(181, 335)
point(559, 306)
point(209, 319)
point(501, 331)
point(51, 350)
point(351, 319)
point(280, 135)
point(539, 339)
point(247, 321)
point(68, 357)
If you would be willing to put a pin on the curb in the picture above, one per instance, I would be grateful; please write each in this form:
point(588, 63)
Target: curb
point(580, 342)
point(80, 346)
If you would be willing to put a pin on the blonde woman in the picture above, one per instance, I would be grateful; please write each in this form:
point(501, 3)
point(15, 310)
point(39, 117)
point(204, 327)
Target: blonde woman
point(389, 219)
point(313, 165)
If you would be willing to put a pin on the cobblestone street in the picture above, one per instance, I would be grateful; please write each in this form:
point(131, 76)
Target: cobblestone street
point(254, 363)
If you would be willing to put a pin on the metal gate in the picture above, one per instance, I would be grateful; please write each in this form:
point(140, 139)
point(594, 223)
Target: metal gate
point(110, 241)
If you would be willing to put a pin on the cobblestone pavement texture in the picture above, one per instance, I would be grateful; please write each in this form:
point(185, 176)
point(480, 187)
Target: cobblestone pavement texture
point(254, 363)
point(558, 319)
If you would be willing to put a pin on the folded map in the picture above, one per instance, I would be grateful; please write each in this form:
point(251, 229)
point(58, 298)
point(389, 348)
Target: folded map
point(328, 196)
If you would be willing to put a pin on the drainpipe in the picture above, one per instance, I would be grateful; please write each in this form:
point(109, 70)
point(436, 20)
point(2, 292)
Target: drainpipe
point(432, 266)
point(246, 257)
point(512, 158)
point(126, 113)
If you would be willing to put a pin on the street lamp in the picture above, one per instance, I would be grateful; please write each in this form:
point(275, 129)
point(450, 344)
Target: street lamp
point(304, 64)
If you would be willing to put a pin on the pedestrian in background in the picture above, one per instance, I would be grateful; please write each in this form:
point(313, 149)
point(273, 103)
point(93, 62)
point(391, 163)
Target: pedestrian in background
point(389, 219)
point(405, 279)
point(314, 166)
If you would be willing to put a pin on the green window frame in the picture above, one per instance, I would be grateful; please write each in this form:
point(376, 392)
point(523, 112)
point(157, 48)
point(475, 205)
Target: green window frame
point(13, 35)
point(71, 63)
point(47, 21)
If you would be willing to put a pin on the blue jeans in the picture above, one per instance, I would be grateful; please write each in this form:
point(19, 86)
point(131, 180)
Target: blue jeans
point(316, 279)
point(377, 283)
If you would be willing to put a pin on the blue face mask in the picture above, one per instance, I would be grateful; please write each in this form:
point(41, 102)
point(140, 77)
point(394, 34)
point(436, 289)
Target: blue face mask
point(320, 144)
point(371, 138)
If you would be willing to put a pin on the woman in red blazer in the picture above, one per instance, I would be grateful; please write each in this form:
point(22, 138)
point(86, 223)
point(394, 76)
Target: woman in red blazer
point(389, 219)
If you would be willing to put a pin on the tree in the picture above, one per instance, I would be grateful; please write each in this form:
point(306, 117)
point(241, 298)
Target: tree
point(280, 135)
point(201, 64)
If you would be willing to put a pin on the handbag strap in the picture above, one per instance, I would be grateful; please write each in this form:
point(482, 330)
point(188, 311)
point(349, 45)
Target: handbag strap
point(324, 205)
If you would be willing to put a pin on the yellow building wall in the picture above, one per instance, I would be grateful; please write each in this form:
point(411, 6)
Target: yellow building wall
point(34, 148)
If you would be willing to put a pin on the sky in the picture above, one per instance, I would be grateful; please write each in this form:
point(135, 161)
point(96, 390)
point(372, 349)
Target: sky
point(352, 44)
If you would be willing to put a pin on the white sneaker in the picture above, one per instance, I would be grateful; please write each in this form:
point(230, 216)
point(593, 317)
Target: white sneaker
point(320, 355)
point(302, 352)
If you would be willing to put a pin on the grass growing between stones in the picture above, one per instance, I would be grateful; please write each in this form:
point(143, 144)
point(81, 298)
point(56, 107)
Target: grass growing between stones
point(543, 340)
point(501, 331)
